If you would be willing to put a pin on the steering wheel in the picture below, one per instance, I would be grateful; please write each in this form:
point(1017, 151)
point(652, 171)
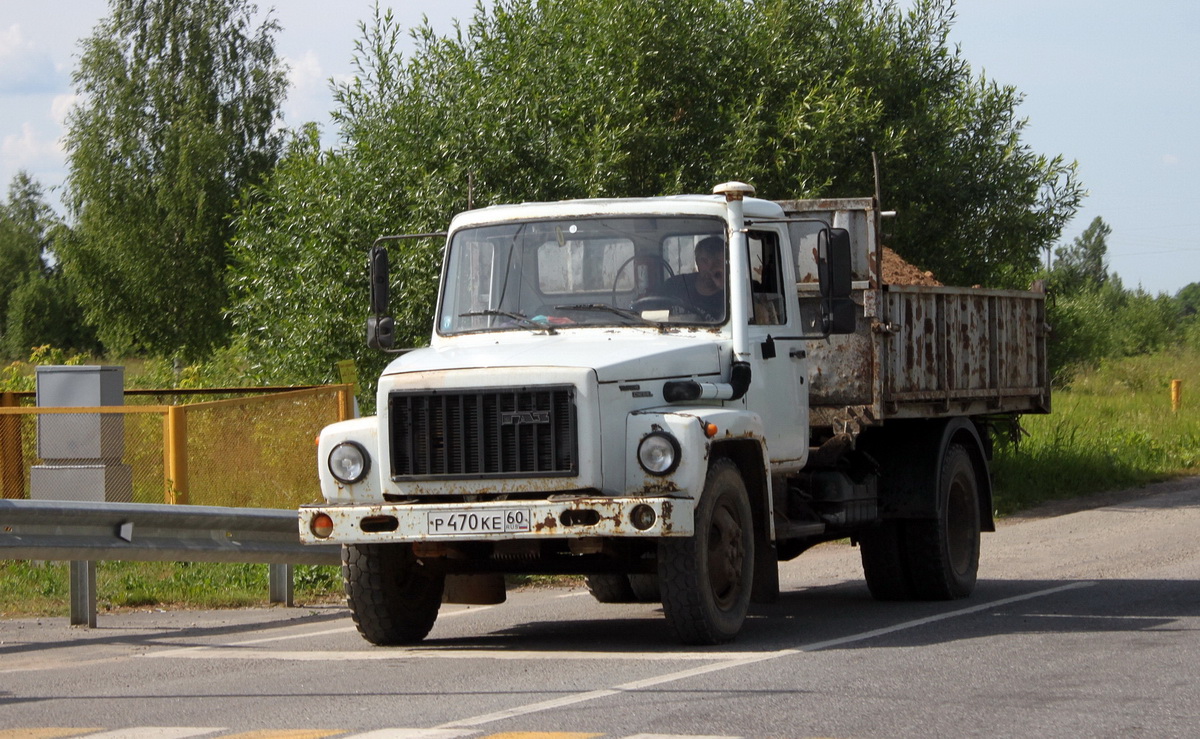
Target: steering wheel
point(617, 278)
point(666, 302)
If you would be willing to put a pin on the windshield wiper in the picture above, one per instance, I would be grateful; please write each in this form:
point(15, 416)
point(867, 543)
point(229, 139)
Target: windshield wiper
point(520, 318)
point(631, 315)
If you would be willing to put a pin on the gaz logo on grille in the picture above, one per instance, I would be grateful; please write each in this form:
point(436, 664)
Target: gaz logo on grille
point(516, 418)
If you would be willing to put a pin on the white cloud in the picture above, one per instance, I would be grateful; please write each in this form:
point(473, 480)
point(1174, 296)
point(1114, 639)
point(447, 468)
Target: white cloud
point(1171, 160)
point(28, 148)
point(305, 74)
point(61, 106)
point(308, 97)
point(11, 43)
point(24, 67)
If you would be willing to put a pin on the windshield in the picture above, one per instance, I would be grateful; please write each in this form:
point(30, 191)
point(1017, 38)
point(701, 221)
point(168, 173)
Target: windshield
point(544, 275)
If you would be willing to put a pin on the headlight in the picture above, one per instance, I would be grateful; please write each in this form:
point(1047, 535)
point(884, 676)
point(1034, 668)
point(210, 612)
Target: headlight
point(659, 453)
point(348, 462)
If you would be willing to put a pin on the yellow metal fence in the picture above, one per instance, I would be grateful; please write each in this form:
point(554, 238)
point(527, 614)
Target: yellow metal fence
point(250, 451)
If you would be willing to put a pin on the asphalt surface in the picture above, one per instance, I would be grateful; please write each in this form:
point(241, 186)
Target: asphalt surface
point(1086, 622)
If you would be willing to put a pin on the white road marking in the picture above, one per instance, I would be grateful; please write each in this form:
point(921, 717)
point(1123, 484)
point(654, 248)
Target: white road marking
point(719, 661)
point(1095, 616)
point(157, 732)
point(412, 734)
point(591, 695)
point(677, 736)
point(306, 635)
point(182, 651)
point(182, 732)
point(235, 651)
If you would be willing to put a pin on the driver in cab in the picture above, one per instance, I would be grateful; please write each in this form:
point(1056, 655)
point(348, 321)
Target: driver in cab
point(703, 289)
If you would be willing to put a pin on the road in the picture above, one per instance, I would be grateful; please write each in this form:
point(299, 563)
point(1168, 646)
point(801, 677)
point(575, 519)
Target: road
point(1085, 623)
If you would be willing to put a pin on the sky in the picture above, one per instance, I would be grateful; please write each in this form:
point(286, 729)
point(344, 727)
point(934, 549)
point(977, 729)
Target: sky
point(1112, 85)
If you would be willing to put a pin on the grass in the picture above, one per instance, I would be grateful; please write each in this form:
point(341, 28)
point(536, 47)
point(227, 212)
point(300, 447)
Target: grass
point(42, 589)
point(1113, 428)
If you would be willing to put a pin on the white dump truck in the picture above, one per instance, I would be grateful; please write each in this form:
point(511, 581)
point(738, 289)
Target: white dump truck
point(670, 396)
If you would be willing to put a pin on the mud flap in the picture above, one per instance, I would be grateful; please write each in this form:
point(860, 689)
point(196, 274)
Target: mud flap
point(766, 570)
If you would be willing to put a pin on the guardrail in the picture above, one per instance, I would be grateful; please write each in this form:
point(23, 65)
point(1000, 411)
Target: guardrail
point(88, 532)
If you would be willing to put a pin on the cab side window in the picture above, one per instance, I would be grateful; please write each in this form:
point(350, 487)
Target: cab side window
point(766, 279)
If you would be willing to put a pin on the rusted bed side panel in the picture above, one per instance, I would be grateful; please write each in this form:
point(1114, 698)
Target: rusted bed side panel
point(933, 351)
point(965, 349)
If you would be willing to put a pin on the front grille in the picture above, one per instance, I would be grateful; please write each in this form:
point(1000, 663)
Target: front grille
point(488, 432)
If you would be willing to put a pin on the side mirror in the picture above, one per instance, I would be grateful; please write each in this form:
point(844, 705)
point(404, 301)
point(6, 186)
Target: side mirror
point(836, 275)
point(381, 329)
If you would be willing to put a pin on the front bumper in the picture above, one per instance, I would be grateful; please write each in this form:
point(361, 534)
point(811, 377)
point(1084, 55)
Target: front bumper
point(572, 517)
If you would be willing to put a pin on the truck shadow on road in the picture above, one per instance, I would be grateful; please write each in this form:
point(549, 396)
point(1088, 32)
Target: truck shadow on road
point(817, 618)
point(844, 616)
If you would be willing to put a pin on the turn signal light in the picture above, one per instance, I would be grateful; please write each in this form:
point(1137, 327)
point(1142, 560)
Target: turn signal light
point(710, 430)
point(321, 526)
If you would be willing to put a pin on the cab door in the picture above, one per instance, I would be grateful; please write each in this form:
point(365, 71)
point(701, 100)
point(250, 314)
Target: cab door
point(778, 392)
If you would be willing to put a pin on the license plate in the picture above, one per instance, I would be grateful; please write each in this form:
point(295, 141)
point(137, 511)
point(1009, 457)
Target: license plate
point(447, 523)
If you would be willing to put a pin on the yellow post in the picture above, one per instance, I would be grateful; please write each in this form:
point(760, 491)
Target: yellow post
point(348, 374)
point(345, 402)
point(168, 493)
point(12, 482)
point(1176, 395)
point(175, 445)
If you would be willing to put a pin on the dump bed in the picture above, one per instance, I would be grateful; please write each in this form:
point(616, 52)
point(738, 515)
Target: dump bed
point(921, 351)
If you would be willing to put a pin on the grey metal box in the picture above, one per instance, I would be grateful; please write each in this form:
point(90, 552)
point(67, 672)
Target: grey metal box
point(108, 483)
point(92, 436)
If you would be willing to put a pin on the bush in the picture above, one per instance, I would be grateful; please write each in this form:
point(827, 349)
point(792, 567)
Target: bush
point(44, 310)
point(1108, 322)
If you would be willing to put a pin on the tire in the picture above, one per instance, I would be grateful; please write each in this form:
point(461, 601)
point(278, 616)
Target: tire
point(645, 588)
point(705, 580)
point(608, 587)
point(615, 588)
point(392, 598)
point(884, 562)
point(943, 553)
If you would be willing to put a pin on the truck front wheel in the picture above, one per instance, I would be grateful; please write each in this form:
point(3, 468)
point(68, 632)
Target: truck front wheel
point(705, 579)
point(392, 597)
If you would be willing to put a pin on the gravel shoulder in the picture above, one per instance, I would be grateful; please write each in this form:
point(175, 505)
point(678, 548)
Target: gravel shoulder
point(1098, 500)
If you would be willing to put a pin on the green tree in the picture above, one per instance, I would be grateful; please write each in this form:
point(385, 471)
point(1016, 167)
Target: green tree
point(1083, 265)
point(43, 311)
point(1189, 299)
point(37, 306)
point(550, 99)
point(25, 220)
point(178, 113)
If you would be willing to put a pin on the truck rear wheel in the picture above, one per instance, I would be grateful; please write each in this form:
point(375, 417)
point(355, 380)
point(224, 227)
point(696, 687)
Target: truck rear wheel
point(930, 559)
point(645, 588)
point(884, 561)
point(609, 587)
point(617, 588)
point(705, 579)
point(943, 553)
point(392, 598)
